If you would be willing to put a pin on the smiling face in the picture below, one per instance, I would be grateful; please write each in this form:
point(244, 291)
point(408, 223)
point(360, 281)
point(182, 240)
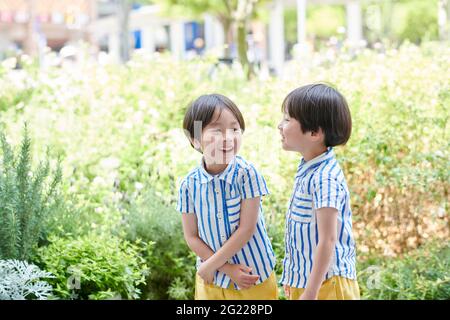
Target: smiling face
point(221, 139)
point(214, 126)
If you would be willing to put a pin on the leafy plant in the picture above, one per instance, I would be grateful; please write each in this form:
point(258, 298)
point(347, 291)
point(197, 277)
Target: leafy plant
point(95, 267)
point(172, 262)
point(20, 280)
point(421, 274)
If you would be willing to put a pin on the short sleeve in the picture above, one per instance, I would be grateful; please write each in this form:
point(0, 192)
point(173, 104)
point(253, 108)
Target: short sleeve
point(252, 184)
point(185, 202)
point(328, 192)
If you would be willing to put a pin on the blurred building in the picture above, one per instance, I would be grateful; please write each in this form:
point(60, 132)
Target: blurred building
point(152, 32)
point(29, 25)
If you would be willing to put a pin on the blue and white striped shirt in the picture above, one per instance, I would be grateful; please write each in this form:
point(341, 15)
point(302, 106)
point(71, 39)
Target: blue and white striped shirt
point(216, 201)
point(318, 183)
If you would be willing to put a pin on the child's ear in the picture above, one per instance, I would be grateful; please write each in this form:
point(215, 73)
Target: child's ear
point(197, 145)
point(317, 135)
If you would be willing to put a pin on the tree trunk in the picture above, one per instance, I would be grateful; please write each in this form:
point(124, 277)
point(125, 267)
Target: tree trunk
point(30, 39)
point(123, 14)
point(227, 30)
point(242, 49)
point(443, 19)
point(386, 15)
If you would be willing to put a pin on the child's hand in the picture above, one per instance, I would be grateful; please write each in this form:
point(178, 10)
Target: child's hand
point(287, 291)
point(306, 295)
point(206, 273)
point(240, 274)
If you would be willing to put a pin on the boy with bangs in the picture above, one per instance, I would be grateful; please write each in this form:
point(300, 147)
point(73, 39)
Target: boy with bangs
point(221, 206)
point(320, 258)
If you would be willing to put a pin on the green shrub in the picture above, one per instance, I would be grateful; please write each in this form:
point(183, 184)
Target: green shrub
point(421, 274)
point(172, 262)
point(95, 267)
point(29, 198)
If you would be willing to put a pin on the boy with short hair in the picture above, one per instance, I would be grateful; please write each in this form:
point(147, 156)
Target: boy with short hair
point(320, 254)
point(221, 206)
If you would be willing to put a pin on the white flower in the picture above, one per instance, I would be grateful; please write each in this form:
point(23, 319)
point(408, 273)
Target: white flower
point(9, 63)
point(138, 186)
point(99, 210)
point(110, 163)
point(142, 104)
point(128, 125)
point(98, 181)
point(439, 153)
point(441, 212)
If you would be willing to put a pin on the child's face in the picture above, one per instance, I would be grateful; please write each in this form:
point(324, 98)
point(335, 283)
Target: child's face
point(292, 137)
point(221, 139)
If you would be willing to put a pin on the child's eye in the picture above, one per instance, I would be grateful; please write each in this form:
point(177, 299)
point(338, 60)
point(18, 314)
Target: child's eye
point(237, 129)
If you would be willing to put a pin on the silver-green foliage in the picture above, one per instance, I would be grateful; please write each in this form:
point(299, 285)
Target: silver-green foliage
point(20, 280)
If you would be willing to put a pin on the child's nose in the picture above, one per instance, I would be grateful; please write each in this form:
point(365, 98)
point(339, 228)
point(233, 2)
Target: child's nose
point(228, 137)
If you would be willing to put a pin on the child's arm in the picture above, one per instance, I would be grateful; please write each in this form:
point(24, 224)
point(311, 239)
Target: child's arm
point(194, 242)
point(327, 227)
point(238, 273)
point(246, 229)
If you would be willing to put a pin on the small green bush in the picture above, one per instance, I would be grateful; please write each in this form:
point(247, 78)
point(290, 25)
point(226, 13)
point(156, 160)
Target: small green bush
point(29, 198)
point(95, 267)
point(421, 274)
point(172, 262)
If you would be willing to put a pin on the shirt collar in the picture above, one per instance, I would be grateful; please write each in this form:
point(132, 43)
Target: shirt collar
point(227, 175)
point(306, 165)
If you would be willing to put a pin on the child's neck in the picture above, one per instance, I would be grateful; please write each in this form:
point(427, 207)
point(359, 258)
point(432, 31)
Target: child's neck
point(214, 168)
point(313, 152)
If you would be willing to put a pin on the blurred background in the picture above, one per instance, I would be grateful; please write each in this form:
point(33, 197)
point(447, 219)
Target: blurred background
point(260, 34)
point(92, 98)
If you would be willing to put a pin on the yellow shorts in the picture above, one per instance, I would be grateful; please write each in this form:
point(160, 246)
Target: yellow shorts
point(267, 290)
point(335, 288)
